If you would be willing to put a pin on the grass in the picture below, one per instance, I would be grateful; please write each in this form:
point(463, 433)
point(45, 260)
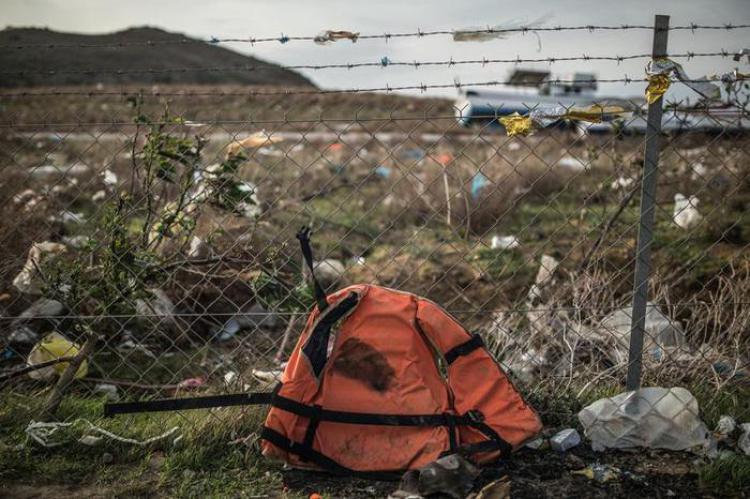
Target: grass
point(726, 477)
point(203, 464)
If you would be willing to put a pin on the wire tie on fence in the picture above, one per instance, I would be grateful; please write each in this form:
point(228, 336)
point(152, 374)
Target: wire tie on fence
point(283, 39)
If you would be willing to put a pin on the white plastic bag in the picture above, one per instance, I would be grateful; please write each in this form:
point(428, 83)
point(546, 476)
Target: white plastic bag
point(656, 418)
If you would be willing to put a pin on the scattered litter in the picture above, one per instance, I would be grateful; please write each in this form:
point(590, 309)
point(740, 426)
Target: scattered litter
point(499, 489)
point(328, 272)
point(254, 141)
point(43, 433)
point(23, 335)
point(110, 178)
point(414, 153)
point(29, 281)
point(444, 158)
point(45, 172)
point(76, 242)
point(504, 242)
point(43, 308)
point(198, 249)
point(565, 440)
point(621, 183)
point(230, 377)
point(601, 473)
point(538, 443)
point(686, 214)
point(743, 443)
point(190, 383)
point(69, 217)
point(267, 151)
point(129, 344)
point(725, 426)
point(90, 440)
point(477, 184)
point(660, 331)
point(547, 268)
point(572, 163)
point(657, 418)
point(108, 390)
point(52, 347)
point(325, 37)
point(159, 306)
point(267, 379)
point(573, 462)
point(383, 171)
point(451, 475)
point(99, 196)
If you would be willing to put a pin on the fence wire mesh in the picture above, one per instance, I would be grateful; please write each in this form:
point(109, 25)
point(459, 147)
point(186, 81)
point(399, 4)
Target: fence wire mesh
point(156, 230)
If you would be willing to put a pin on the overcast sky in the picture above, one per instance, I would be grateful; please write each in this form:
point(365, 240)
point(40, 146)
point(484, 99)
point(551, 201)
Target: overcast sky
point(242, 18)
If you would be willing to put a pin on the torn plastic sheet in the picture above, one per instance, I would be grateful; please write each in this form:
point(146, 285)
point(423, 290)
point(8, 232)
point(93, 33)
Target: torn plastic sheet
point(328, 36)
point(496, 32)
point(660, 69)
point(516, 124)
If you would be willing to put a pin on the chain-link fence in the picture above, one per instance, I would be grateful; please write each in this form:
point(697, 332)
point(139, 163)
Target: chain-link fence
point(150, 235)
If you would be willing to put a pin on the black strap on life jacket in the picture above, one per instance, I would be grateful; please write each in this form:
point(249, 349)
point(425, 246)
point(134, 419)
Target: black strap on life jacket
point(316, 415)
point(304, 241)
point(464, 348)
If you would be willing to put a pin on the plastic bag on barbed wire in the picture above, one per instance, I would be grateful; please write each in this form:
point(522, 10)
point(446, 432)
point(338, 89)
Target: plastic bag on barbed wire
point(496, 32)
point(516, 124)
point(664, 67)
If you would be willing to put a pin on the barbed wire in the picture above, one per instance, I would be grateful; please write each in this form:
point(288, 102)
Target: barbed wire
point(302, 91)
point(283, 39)
point(290, 91)
point(383, 63)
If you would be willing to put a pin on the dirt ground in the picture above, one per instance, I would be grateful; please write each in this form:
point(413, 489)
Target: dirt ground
point(533, 474)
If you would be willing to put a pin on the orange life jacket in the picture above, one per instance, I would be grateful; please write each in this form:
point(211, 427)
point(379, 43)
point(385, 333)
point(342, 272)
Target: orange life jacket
point(363, 390)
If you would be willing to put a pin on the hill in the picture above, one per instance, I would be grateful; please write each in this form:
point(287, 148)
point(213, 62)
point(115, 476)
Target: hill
point(60, 59)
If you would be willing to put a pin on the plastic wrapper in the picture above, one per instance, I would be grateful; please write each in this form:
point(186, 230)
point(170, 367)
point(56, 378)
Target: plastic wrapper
point(52, 347)
point(659, 71)
point(329, 36)
point(516, 124)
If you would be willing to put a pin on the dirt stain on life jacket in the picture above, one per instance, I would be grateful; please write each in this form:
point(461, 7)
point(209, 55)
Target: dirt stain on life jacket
point(358, 360)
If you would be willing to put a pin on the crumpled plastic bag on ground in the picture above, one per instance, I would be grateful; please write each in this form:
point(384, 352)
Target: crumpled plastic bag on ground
point(686, 214)
point(29, 281)
point(54, 346)
point(656, 418)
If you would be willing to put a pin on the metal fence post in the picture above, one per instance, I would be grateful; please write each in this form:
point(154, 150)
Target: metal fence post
point(646, 220)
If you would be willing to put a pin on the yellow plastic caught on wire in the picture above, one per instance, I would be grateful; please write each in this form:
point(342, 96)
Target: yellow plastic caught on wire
point(593, 114)
point(515, 124)
point(658, 84)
